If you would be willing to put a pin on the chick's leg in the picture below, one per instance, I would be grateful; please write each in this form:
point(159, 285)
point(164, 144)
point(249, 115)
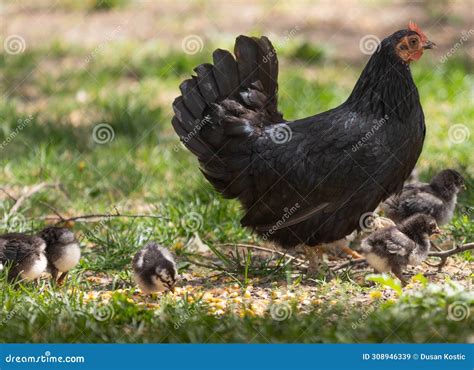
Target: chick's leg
point(313, 255)
point(54, 273)
point(397, 271)
point(62, 277)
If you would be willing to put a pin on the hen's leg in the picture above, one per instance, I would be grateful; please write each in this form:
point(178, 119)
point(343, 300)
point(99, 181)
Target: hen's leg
point(313, 255)
point(351, 252)
point(342, 246)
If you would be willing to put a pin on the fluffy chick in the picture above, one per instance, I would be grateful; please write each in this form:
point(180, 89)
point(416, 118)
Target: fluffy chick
point(25, 254)
point(438, 198)
point(62, 250)
point(154, 269)
point(395, 247)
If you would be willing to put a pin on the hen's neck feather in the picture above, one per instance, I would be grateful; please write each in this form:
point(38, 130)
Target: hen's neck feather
point(385, 87)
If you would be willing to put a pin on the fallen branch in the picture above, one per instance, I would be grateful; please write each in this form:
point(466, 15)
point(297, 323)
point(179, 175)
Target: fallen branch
point(450, 252)
point(59, 218)
point(8, 194)
point(349, 263)
point(210, 267)
point(56, 212)
point(30, 192)
point(102, 216)
point(443, 255)
point(263, 249)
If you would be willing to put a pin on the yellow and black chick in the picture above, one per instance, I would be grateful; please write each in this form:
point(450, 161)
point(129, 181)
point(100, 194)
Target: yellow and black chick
point(62, 250)
point(438, 198)
point(395, 247)
point(25, 254)
point(154, 269)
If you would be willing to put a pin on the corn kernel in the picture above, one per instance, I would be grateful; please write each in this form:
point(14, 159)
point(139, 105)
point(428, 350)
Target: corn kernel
point(375, 294)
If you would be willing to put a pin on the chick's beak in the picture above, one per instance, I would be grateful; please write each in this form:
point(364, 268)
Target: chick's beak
point(429, 44)
point(463, 187)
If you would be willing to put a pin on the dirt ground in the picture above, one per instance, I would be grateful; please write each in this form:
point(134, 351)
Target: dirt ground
point(41, 22)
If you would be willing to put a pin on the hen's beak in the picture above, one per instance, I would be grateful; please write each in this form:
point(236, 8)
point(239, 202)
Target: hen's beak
point(429, 45)
point(463, 187)
point(437, 231)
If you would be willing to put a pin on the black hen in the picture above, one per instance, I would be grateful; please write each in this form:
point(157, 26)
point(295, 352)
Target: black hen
point(438, 198)
point(306, 181)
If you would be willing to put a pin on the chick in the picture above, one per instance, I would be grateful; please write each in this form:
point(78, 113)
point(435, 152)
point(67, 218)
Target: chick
point(395, 247)
point(25, 254)
point(62, 250)
point(438, 198)
point(154, 269)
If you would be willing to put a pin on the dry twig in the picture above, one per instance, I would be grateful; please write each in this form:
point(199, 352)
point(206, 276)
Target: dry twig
point(450, 252)
point(263, 249)
point(30, 192)
point(102, 216)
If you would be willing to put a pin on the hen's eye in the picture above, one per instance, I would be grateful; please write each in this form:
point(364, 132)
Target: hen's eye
point(413, 42)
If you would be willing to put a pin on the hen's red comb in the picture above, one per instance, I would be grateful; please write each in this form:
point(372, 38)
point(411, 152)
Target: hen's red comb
point(413, 27)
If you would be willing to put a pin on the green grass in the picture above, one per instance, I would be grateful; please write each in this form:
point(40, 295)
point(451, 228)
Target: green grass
point(65, 92)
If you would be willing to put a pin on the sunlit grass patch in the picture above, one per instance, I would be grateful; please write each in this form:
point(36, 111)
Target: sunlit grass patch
point(141, 167)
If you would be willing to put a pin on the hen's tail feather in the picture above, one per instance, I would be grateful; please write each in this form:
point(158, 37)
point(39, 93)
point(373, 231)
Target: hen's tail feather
point(225, 72)
point(206, 82)
point(221, 107)
point(192, 98)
